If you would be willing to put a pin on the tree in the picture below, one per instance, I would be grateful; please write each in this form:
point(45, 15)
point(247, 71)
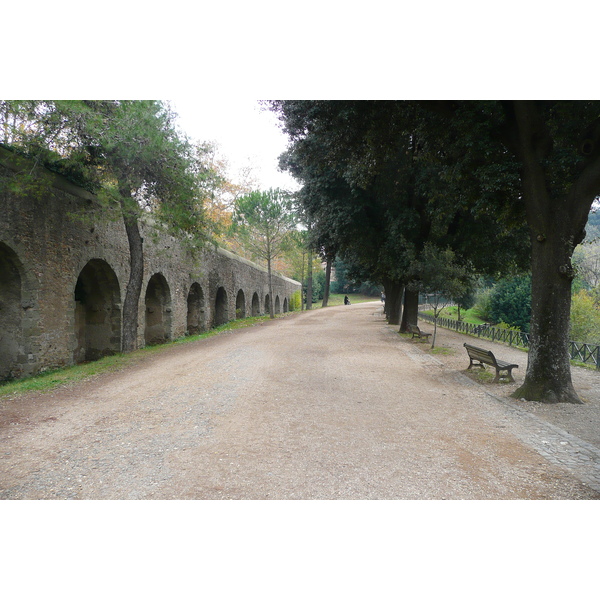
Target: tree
point(374, 181)
point(437, 271)
point(261, 221)
point(132, 156)
point(552, 149)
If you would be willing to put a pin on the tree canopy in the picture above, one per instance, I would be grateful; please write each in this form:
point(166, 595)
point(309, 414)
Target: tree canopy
point(497, 182)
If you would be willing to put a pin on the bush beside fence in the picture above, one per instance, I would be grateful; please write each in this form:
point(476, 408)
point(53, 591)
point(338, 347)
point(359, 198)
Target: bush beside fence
point(580, 352)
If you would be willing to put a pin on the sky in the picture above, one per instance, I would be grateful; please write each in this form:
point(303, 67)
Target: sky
point(245, 132)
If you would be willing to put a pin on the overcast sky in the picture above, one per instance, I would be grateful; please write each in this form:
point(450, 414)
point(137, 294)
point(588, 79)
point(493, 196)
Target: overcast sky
point(246, 134)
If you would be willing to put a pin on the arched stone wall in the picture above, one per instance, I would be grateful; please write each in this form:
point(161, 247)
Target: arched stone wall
point(64, 270)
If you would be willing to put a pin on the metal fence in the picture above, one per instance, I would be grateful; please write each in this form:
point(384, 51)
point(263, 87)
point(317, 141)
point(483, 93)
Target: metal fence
point(580, 352)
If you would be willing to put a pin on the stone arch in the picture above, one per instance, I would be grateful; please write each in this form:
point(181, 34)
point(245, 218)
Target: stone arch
point(285, 305)
point(11, 270)
point(196, 315)
point(221, 308)
point(267, 304)
point(255, 305)
point(277, 305)
point(240, 305)
point(97, 312)
point(158, 311)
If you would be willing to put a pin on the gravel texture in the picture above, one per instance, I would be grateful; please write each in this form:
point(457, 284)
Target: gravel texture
point(330, 404)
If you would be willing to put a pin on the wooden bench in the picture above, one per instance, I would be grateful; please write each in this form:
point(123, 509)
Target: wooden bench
point(480, 357)
point(417, 332)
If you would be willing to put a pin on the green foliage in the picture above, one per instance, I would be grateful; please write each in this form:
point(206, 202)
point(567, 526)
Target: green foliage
point(440, 273)
point(261, 222)
point(483, 304)
point(128, 152)
point(318, 285)
point(510, 302)
point(585, 318)
point(296, 300)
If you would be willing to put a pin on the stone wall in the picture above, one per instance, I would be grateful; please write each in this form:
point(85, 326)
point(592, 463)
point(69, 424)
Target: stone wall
point(64, 268)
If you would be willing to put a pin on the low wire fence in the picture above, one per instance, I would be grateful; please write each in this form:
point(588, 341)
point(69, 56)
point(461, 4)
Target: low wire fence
point(588, 354)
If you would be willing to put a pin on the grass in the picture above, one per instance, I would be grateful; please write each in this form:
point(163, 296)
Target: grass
point(444, 350)
point(338, 299)
point(49, 380)
point(468, 316)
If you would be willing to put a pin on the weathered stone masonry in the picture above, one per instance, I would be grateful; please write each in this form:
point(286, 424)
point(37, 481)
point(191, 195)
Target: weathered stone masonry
point(63, 281)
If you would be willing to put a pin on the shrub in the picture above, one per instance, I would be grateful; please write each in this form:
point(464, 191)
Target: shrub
point(585, 318)
point(296, 300)
point(511, 302)
point(483, 304)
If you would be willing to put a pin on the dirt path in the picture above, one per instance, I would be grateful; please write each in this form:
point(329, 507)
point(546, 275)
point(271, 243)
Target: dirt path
point(331, 404)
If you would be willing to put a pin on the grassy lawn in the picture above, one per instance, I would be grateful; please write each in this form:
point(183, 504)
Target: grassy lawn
point(451, 312)
point(337, 299)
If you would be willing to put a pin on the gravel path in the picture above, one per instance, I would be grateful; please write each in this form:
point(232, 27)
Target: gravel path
point(331, 404)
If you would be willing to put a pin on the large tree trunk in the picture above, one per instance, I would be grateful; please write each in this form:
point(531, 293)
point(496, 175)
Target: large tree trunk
point(393, 300)
point(134, 285)
point(557, 225)
point(548, 376)
point(410, 315)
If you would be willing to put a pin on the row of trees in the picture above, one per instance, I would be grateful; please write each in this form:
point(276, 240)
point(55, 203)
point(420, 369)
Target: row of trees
point(417, 195)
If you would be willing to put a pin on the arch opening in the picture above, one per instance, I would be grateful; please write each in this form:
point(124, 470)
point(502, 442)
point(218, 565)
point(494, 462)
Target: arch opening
point(277, 305)
point(196, 316)
point(255, 305)
point(240, 305)
point(97, 312)
point(10, 313)
point(267, 304)
point(158, 311)
point(221, 310)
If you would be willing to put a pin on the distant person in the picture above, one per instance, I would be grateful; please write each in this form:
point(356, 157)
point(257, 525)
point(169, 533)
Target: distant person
point(382, 297)
point(346, 301)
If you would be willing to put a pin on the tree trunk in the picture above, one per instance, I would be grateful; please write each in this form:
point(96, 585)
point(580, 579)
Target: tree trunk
point(302, 285)
point(272, 302)
point(410, 314)
point(548, 375)
point(309, 285)
point(134, 285)
point(327, 281)
point(393, 301)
